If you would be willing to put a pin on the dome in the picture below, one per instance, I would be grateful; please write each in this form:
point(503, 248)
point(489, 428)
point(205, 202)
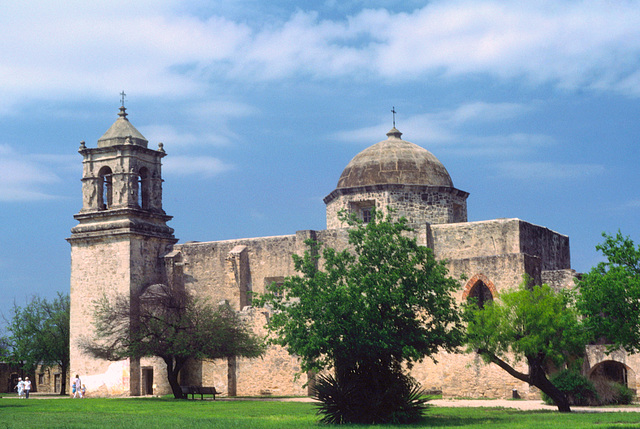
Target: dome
point(394, 161)
point(122, 132)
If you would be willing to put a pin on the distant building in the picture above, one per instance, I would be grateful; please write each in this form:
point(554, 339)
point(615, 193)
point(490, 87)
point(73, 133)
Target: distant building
point(43, 380)
point(122, 244)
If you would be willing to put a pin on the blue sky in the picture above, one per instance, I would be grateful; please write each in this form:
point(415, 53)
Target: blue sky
point(533, 107)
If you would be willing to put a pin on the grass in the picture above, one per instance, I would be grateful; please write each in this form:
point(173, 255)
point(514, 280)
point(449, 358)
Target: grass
point(170, 413)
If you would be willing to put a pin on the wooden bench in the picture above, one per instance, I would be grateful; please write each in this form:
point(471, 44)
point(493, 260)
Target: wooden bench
point(198, 390)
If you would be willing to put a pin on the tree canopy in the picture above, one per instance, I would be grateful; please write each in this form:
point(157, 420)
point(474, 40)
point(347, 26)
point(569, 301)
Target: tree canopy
point(610, 294)
point(369, 309)
point(533, 323)
point(170, 324)
point(39, 334)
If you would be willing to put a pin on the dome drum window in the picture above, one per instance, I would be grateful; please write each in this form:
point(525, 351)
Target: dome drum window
point(362, 209)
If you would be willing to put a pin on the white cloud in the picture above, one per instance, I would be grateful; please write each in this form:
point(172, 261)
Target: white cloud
point(175, 139)
point(576, 44)
point(541, 171)
point(25, 177)
point(500, 146)
point(202, 166)
point(446, 129)
point(480, 111)
point(211, 121)
point(628, 205)
point(78, 49)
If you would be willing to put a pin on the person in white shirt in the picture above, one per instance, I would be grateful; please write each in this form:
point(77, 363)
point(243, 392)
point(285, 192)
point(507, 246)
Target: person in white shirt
point(27, 387)
point(77, 387)
point(20, 387)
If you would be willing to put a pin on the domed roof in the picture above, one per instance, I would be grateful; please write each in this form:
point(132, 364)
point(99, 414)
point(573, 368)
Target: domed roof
point(122, 132)
point(394, 161)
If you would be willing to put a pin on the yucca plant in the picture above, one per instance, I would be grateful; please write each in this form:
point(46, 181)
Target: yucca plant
point(369, 397)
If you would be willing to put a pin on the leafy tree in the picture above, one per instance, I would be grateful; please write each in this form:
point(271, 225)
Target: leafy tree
point(532, 323)
point(610, 295)
point(39, 334)
point(170, 324)
point(4, 348)
point(369, 310)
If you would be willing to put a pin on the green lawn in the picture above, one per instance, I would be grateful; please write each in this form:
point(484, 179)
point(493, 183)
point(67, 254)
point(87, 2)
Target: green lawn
point(169, 413)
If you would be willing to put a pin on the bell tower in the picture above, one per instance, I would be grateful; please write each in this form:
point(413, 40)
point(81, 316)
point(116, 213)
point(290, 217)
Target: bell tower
point(118, 244)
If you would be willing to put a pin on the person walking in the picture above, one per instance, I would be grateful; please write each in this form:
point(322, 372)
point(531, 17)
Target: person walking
point(27, 387)
point(20, 387)
point(77, 387)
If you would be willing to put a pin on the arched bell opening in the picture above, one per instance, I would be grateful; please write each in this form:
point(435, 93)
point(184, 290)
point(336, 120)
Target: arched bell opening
point(105, 191)
point(144, 191)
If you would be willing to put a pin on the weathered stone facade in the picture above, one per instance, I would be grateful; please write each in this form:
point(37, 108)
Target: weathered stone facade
point(122, 244)
point(419, 204)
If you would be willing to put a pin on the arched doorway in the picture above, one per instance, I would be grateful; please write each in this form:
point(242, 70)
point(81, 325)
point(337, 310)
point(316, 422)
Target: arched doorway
point(611, 370)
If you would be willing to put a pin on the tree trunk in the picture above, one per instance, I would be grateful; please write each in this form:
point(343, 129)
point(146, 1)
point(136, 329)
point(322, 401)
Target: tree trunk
point(540, 380)
point(63, 381)
point(536, 377)
point(173, 370)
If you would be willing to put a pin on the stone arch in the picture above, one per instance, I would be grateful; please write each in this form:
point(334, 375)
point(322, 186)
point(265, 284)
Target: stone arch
point(612, 370)
point(481, 287)
point(105, 188)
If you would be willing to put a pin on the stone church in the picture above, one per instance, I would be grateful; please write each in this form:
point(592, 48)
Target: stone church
point(122, 244)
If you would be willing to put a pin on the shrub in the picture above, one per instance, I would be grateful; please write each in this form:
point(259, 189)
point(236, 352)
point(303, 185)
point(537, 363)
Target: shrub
point(611, 393)
point(369, 398)
point(625, 395)
point(579, 390)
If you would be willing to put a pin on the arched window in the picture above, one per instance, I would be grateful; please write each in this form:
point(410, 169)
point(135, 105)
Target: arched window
point(481, 289)
point(480, 293)
point(105, 194)
point(144, 188)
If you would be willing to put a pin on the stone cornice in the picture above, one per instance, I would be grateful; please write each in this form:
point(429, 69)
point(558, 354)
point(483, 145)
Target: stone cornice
point(393, 188)
point(124, 212)
point(122, 148)
point(126, 221)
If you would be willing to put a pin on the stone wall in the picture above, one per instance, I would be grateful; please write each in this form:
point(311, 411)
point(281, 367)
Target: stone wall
point(106, 266)
point(276, 373)
point(504, 272)
point(490, 250)
point(501, 236)
point(229, 270)
point(499, 252)
point(551, 247)
point(560, 279)
point(99, 268)
point(419, 204)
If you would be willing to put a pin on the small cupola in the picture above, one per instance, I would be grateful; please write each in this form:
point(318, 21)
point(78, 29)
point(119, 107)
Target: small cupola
point(122, 132)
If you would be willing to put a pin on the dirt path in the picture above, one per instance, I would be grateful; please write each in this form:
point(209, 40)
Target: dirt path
point(469, 403)
point(525, 405)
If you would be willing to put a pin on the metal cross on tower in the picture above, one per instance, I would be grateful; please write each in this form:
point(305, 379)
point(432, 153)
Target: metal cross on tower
point(393, 110)
point(122, 95)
